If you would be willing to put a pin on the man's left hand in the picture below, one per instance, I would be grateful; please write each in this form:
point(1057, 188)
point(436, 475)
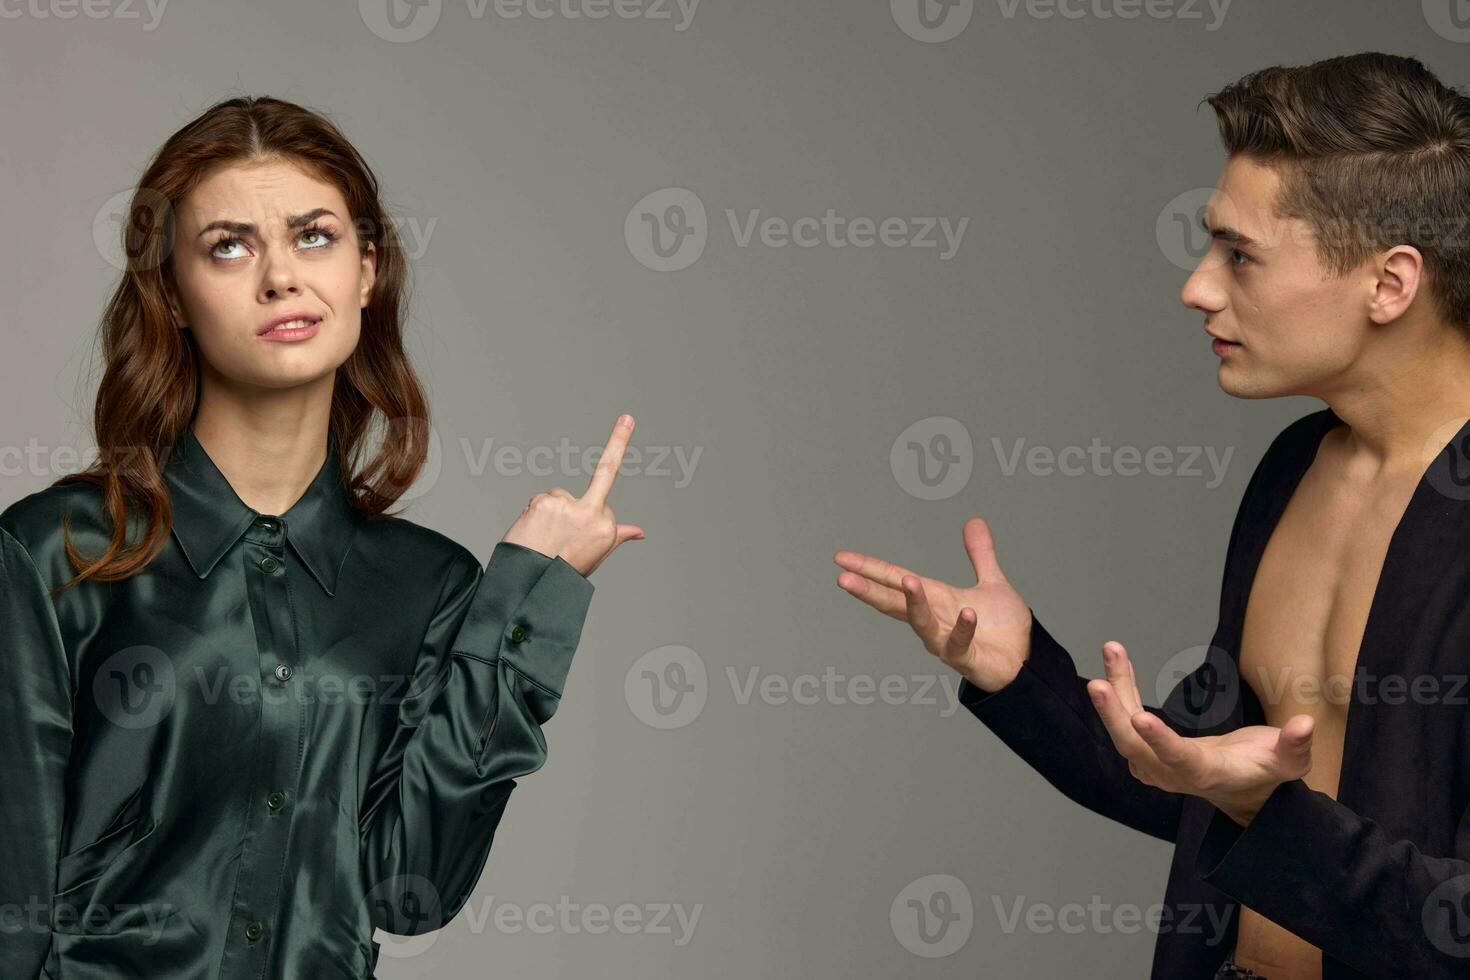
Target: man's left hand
point(1236, 771)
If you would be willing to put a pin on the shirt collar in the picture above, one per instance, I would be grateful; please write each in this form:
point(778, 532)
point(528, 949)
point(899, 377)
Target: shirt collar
point(209, 517)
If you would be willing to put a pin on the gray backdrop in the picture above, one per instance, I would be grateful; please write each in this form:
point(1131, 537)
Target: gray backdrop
point(752, 774)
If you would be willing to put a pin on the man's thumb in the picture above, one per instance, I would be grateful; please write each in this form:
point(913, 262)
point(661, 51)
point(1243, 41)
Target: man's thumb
point(981, 548)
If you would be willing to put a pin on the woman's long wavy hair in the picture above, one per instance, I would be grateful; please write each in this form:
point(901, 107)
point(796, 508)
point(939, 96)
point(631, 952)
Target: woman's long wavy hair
point(149, 391)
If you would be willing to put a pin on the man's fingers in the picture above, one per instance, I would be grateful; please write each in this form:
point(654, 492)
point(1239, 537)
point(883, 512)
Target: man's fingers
point(957, 647)
point(1115, 717)
point(876, 569)
point(1294, 741)
point(921, 617)
point(980, 546)
point(1120, 674)
point(888, 601)
point(1172, 748)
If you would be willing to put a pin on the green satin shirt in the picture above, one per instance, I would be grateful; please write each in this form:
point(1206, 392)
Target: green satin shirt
point(287, 731)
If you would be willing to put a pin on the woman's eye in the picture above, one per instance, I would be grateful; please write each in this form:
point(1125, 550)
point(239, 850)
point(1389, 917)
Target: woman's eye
point(324, 237)
point(223, 242)
point(321, 239)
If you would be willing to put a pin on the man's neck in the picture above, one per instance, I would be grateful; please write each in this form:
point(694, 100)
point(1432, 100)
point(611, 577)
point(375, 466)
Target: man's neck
point(1402, 411)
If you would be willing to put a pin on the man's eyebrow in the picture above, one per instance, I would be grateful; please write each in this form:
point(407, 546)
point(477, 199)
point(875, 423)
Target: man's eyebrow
point(1226, 233)
point(246, 228)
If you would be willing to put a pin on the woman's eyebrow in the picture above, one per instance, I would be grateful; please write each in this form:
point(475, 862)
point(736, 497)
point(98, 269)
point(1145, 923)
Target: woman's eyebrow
point(246, 228)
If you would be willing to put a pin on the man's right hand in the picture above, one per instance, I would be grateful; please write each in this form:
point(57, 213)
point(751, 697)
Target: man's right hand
point(983, 631)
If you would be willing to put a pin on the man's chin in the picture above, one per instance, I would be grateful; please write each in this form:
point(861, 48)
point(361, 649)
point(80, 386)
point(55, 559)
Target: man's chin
point(1240, 384)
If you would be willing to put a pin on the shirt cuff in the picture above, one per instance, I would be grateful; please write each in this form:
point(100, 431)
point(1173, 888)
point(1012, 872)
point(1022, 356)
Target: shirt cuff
point(1275, 863)
point(529, 609)
point(1013, 708)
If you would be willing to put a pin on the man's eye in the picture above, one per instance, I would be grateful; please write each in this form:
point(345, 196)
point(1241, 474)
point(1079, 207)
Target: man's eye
point(1237, 253)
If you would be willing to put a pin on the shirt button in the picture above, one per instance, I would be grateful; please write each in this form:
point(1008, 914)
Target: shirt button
point(268, 564)
point(283, 672)
point(518, 634)
point(253, 929)
point(276, 800)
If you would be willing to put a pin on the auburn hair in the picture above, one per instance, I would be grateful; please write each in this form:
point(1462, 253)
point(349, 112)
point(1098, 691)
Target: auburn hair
point(149, 390)
point(1373, 151)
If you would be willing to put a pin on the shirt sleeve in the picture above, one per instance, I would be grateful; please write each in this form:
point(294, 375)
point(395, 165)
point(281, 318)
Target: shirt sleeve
point(35, 745)
point(1344, 884)
point(1047, 718)
point(490, 674)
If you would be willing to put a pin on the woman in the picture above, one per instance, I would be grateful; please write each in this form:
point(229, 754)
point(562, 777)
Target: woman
point(249, 716)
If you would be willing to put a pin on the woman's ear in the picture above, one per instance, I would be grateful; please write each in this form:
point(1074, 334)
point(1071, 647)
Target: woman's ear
point(369, 273)
point(176, 309)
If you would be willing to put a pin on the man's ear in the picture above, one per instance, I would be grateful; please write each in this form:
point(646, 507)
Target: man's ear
point(1398, 277)
point(369, 273)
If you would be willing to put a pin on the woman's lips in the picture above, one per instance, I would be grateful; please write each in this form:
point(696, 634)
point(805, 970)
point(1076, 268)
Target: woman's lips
point(294, 330)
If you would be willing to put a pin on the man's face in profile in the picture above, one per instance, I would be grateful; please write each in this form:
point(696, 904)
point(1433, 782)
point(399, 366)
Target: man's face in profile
point(1298, 328)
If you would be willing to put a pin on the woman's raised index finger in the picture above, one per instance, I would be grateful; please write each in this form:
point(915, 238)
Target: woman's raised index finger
point(612, 458)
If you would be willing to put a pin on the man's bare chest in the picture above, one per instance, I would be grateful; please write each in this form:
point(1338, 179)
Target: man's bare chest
point(1309, 605)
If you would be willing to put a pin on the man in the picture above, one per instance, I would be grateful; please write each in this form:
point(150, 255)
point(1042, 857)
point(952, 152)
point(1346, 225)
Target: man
point(1312, 772)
